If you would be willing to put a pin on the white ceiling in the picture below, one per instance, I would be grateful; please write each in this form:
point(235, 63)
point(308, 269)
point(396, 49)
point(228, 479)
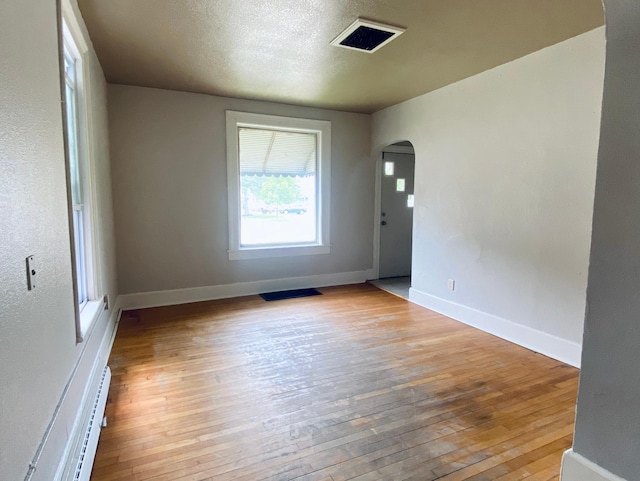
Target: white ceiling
point(279, 50)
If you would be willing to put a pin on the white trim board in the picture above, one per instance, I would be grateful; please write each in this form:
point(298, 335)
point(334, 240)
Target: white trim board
point(555, 347)
point(225, 291)
point(377, 209)
point(578, 468)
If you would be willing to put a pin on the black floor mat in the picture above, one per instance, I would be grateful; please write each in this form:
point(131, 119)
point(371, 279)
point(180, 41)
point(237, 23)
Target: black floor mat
point(279, 295)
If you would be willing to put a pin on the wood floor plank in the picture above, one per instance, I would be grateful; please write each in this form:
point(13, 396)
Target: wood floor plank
point(356, 384)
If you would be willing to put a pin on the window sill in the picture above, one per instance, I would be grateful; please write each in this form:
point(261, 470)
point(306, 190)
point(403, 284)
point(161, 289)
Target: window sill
point(88, 316)
point(267, 252)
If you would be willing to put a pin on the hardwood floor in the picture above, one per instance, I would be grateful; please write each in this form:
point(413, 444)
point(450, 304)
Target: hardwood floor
point(357, 384)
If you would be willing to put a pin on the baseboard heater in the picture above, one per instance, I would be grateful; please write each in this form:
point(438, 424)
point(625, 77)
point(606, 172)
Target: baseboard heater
point(89, 442)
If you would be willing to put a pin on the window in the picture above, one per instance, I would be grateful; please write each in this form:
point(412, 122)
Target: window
point(389, 168)
point(278, 184)
point(71, 65)
point(80, 193)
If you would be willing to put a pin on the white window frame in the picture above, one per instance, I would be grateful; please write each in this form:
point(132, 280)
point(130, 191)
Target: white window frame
point(73, 42)
point(322, 129)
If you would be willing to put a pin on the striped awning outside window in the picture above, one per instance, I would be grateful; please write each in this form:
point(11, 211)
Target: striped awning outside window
point(276, 152)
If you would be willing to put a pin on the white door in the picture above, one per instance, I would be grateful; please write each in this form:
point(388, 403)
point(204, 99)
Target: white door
point(396, 215)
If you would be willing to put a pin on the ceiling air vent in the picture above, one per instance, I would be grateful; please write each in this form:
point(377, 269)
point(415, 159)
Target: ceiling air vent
point(366, 36)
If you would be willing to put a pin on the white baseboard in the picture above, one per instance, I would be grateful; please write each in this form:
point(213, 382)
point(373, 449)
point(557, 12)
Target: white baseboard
point(57, 448)
point(555, 347)
point(578, 468)
point(225, 291)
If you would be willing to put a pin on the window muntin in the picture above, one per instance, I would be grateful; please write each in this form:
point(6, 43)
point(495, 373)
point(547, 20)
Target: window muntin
point(278, 185)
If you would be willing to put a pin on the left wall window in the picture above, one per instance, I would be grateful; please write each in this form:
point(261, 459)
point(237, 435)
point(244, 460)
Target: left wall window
point(76, 115)
point(77, 205)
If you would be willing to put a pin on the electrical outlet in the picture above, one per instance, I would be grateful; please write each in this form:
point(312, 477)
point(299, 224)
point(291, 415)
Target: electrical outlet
point(451, 284)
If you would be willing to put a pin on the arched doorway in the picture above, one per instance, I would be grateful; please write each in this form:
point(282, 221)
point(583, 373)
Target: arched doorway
point(395, 219)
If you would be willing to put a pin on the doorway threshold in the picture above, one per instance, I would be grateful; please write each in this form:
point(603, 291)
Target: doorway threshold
point(398, 286)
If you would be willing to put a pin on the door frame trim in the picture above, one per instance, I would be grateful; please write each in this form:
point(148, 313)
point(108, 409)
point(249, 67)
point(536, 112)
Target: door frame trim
point(376, 215)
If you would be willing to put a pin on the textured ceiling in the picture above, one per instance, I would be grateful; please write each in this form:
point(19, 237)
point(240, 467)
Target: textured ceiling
point(279, 50)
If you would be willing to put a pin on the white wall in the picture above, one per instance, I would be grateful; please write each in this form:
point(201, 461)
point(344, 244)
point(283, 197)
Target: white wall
point(505, 173)
point(170, 196)
point(608, 414)
point(38, 352)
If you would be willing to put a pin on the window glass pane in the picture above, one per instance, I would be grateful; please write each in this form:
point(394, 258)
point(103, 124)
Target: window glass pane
point(399, 185)
point(278, 187)
point(72, 125)
point(410, 200)
point(72, 140)
point(389, 168)
point(78, 238)
point(69, 66)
